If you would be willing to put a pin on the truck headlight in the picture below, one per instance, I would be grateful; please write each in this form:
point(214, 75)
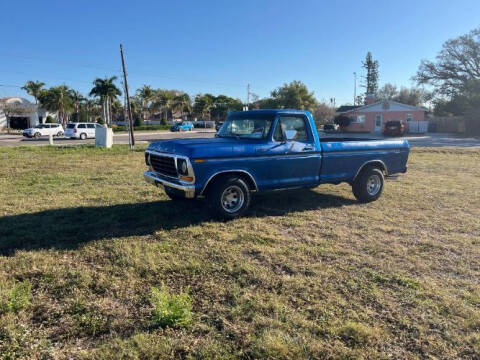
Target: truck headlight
point(182, 166)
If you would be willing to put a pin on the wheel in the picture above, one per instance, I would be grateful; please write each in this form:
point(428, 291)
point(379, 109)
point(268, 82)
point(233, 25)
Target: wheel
point(37, 135)
point(368, 185)
point(59, 134)
point(83, 136)
point(174, 196)
point(229, 197)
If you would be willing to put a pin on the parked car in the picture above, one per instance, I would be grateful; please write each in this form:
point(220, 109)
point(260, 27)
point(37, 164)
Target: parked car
point(262, 150)
point(81, 130)
point(218, 125)
point(183, 126)
point(330, 127)
point(394, 128)
point(44, 130)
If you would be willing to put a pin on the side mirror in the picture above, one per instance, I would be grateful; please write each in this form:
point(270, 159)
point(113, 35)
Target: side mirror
point(290, 134)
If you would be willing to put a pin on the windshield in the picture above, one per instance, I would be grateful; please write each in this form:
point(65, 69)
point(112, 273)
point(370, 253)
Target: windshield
point(40, 126)
point(247, 125)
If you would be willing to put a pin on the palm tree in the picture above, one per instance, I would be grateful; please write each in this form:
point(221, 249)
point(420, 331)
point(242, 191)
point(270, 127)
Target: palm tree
point(107, 91)
point(163, 101)
point(58, 99)
point(181, 102)
point(33, 88)
point(77, 99)
point(145, 94)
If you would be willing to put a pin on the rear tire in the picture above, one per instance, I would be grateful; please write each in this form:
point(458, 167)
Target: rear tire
point(229, 197)
point(59, 134)
point(368, 185)
point(37, 135)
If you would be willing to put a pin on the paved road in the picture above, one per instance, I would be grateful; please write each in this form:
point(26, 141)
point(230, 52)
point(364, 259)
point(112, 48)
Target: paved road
point(427, 140)
point(18, 140)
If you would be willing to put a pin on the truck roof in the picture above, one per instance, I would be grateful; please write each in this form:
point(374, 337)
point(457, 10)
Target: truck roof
point(271, 111)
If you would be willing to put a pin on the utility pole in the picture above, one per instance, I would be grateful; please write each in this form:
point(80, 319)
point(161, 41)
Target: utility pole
point(248, 96)
point(131, 138)
point(354, 88)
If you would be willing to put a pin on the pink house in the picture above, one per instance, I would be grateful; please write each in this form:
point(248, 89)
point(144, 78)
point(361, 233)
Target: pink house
point(371, 118)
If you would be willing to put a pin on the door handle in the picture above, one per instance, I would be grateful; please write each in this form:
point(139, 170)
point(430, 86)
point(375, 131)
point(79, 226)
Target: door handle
point(308, 148)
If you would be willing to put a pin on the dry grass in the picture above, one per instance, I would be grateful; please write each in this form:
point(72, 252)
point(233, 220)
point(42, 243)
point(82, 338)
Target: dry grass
point(307, 274)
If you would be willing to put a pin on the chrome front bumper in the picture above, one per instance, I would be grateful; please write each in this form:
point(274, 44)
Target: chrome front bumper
point(154, 179)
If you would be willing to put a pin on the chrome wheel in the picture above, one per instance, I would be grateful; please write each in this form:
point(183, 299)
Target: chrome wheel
point(374, 184)
point(232, 199)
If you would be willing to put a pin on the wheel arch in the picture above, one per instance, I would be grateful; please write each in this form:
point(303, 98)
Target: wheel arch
point(374, 163)
point(248, 178)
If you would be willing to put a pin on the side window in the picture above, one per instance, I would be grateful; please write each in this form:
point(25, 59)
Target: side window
point(91, 126)
point(296, 123)
point(81, 126)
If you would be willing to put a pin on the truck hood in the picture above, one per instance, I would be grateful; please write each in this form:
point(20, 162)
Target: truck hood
point(206, 148)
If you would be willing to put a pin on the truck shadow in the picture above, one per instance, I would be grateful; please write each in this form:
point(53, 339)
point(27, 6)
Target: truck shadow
point(69, 228)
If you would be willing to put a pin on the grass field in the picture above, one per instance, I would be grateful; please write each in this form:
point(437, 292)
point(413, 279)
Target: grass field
point(98, 264)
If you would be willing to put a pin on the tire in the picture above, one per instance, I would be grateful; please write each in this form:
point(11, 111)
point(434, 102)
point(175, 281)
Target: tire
point(37, 135)
point(228, 197)
point(83, 136)
point(368, 185)
point(59, 134)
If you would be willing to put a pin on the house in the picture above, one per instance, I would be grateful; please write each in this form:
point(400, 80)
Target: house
point(372, 117)
point(21, 112)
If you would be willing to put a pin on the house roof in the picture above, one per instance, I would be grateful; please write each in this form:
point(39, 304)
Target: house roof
point(388, 105)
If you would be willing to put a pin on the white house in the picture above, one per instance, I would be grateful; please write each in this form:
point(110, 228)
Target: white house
point(22, 113)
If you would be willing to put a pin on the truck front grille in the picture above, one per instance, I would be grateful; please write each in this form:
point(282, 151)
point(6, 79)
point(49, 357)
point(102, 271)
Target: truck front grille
point(164, 165)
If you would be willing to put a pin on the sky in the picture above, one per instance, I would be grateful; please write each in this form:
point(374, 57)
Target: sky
point(221, 46)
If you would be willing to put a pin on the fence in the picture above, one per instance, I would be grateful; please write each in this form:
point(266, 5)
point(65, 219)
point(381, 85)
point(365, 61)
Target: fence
point(417, 127)
point(447, 124)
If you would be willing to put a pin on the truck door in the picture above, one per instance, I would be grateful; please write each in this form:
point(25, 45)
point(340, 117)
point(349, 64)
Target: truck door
point(293, 160)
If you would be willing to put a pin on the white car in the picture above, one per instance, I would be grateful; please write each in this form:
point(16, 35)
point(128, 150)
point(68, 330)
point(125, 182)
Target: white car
point(81, 130)
point(44, 130)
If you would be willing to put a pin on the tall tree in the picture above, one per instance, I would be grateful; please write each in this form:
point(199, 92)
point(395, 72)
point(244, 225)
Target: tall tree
point(58, 99)
point(107, 91)
point(222, 105)
point(456, 65)
point(203, 105)
point(182, 103)
point(33, 88)
point(387, 92)
point(371, 79)
point(294, 95)
point(145, 95)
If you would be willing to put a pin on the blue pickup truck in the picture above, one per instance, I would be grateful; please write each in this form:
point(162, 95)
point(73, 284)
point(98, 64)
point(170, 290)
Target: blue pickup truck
point(263, 150)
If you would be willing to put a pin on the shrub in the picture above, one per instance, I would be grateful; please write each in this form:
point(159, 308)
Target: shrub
point(170, 310)
point(342, 120)
point(163, 122)
point(143, 127)
point(15, 298)
point(138, 121)
point(101, 120)
point(50, 120)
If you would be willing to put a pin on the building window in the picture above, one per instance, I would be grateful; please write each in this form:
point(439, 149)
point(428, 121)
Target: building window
point(360, 119)
point(409, 117)
point(378, 120)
